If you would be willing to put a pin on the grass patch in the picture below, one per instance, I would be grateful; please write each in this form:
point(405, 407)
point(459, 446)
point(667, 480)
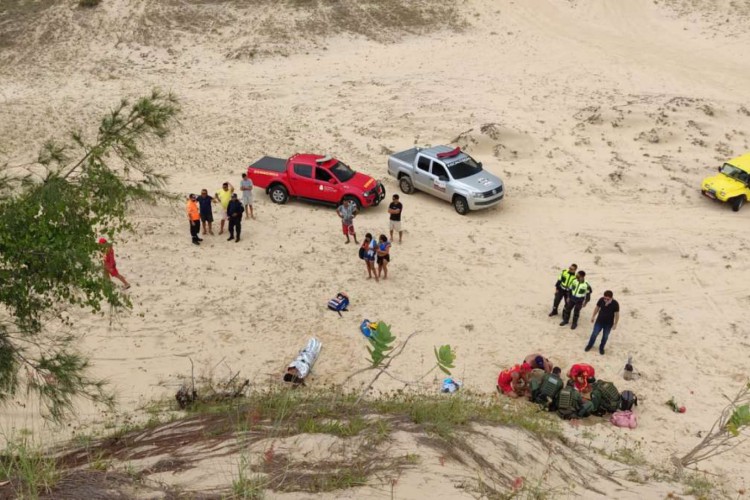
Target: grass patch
point(30, 472)
point(700, 487)
point(628, 456)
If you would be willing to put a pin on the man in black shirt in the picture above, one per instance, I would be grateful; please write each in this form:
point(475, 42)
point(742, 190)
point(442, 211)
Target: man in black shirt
point(235, 210)
point(608, 315)
point(395, 209)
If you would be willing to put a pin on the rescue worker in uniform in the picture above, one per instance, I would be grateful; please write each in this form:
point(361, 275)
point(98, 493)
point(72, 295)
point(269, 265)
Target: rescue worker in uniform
point(562, 287)
point(580, 295)
point(549, 387)
point(569, 402)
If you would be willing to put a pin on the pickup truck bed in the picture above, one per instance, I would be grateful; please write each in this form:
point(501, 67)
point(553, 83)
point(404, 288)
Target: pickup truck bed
point(407, 156)
point(270, 163)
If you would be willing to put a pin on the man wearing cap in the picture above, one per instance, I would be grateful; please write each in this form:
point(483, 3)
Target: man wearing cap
point(514, 380)
point(539, 361)
point(110, 265)
point(234, 214)
point(225, 196)
point(194, 217)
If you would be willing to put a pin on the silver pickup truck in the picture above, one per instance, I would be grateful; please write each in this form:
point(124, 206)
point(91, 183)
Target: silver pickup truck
point(449, 174)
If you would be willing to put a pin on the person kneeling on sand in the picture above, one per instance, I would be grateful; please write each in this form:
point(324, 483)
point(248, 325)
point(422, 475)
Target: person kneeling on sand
point(513, 381)
point(569, 402)
point(539, 361)
point(579, 374)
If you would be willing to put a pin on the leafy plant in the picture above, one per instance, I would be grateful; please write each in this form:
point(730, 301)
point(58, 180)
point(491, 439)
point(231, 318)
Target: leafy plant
point(445, 357)
point(734, 418)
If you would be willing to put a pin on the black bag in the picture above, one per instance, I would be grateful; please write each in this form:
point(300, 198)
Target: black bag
point(627, 400)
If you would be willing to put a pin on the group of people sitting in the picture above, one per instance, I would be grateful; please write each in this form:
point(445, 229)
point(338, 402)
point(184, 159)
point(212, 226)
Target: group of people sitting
point(578, 397)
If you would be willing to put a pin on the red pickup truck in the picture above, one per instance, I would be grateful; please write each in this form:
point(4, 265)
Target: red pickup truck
point(316, 178)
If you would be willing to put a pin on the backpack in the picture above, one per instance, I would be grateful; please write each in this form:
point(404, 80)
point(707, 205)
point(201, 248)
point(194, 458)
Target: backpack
point(610, 396)
point(566, 403)
point(627, 400)
point(547, 392)
point(624, 419)
point(339, 303)
point(362, 253)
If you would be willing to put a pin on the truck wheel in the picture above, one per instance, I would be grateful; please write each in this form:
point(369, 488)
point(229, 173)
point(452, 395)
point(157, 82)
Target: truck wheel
point(354, 199)
point(461, 205)
point(279, 194)
point(405, 184)
point(737, 203)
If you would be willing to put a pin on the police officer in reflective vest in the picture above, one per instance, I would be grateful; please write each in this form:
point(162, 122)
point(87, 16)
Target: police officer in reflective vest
point(580, 294)
point(562, 287)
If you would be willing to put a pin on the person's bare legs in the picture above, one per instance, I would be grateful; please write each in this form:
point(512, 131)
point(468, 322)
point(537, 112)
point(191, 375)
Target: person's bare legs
point(210, 228)
point(385, 269)
point(221, 227)
point(391, 234)
point(205, 225)
point(123, 280)
point(354, 235)
point(399, 236)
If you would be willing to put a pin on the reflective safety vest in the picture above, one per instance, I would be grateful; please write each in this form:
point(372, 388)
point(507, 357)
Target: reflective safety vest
point(551, 385)
point(580, 290)
point(566, 279)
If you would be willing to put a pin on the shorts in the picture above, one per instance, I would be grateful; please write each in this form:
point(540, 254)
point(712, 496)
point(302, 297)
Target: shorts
point(347, 229)
point(112, 271)
point(395, 225)
point(370, 256)
point(247, 198)
point(381, 258)
point(209, 217)
point(224, 215)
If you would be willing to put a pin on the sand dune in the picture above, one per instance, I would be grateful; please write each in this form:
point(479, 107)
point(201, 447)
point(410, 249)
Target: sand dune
point(601, 116)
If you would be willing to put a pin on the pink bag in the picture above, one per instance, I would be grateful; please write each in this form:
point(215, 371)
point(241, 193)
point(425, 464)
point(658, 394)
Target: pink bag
point(624, 419)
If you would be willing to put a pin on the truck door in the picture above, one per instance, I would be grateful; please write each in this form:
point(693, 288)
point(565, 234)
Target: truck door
point(302, 180)
point(326, 186)
point(422, 175)
point(440, 180)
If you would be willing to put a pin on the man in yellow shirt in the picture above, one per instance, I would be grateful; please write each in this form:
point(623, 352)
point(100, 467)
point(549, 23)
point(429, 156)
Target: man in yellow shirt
point(224, 195)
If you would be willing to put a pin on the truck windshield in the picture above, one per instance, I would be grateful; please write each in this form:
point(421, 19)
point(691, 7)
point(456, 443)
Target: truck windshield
point(342, 172)
point(466, 168)
point(734, 173)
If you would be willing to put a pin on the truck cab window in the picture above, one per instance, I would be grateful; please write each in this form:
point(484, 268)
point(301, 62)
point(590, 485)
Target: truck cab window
point(423, 164)
point(322, 175)
point(303, 170)
point(439, 171)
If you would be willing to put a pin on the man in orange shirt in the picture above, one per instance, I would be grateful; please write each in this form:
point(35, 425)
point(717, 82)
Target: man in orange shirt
point(194, 217)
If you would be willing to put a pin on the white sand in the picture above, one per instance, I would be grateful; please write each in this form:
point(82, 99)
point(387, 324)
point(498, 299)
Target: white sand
point(606, 116)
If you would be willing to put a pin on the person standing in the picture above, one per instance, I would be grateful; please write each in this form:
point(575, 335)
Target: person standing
point(347, 211)
point(580, 295)
point(246, 186)
point(395, 209)
point(194, 217)
point(225, 196)
point(384, 255)
point(110, 265)
point(562, 287)
point(367, 253)
point(606, 314)
point(234, 214)
point(207, 214)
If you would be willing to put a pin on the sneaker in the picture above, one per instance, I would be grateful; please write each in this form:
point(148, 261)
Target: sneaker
point(573, 326)
point(196, 242)
point(200, 239)
point(237, 240)
point(563, 323)
point(601, 351)
point(230, 238)
point(553, 313)
point(588, 348)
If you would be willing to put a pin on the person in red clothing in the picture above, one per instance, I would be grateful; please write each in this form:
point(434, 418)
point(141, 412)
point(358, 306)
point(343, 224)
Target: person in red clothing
point(110, 266)
point(579, 374)
point(512, 381)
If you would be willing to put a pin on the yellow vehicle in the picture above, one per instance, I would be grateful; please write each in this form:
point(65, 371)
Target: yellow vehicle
point(731, 184)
